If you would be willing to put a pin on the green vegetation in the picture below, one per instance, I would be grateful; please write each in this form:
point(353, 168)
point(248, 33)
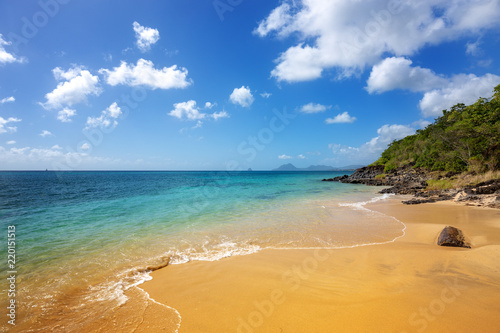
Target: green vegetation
point(463, 139)
point(440, 184)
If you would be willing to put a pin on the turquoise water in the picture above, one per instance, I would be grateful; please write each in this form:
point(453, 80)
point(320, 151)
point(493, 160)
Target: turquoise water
point(91, 234)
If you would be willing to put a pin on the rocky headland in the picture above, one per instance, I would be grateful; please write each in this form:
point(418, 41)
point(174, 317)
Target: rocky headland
point(414, 181)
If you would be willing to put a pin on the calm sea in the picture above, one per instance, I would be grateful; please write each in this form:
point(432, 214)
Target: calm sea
point(84, 238)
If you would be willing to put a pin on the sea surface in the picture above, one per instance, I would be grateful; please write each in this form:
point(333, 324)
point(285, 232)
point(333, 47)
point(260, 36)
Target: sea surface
point(84, 238)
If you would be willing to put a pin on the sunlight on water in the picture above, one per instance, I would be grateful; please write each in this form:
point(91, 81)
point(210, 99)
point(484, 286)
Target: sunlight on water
point(88, 237)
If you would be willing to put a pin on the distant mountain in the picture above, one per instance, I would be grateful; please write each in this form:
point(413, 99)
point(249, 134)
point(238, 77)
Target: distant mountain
point(291, 167)
point(286, 167)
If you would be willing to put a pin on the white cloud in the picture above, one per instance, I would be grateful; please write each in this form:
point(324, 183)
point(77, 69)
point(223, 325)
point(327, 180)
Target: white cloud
point(314, 108)
point(7, 100)
point(265, 95)
point(190, 111)
point(209, 105)
point(11, 142)
point(6, 57)
point(242, 96)
point(462, 88)
point(144, 74)
point(397, 73)
point(219, 115)
point(107, 119)
point(350, 35)
point(187, 110)
point(301, 157)
point(145, 36)
point(3, 122)
point(56, 158)
point(474, 48)
point(285, 157)
point(277, 19)
point(387, 134)
point(78, 84)
point(199, 124)
point(65, 115)
point(46, 133)
point(85, 146)
point(341, 118)
point(371, 150)
point(439, 92)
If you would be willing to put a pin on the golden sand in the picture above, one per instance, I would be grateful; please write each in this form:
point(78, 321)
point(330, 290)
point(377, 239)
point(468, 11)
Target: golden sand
point(410, 285)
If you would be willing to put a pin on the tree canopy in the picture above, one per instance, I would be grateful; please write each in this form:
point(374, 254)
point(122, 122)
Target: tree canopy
point(464, 138)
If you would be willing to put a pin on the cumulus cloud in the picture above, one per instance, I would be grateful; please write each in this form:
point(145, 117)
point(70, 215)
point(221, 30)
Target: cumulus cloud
point(279, 18)
point(209, 105)
point(46, 133)
point(11, 142)
point(462, 88)
point(65, 115)
point(190, 111)
point(7, 100)
point(144, 74)
point(4, 122)
point(314, 108)
point(287, 157)
point(265, 95)
point(78, 83)
point(6, 57)
point(187, 110)
point(398, 73)
point(219, 115)
point(107, 119)
point(350, 35)
point(387, 134)
point(341, 118)
point(371, 150)
point(145, 36)
point(242, 96)
point(439, 92)
point(85, 146)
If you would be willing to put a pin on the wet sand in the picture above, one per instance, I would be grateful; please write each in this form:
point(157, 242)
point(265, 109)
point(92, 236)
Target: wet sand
point(409, 285)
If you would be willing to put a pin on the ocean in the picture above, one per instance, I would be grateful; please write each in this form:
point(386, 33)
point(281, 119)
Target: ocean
point(82, 239)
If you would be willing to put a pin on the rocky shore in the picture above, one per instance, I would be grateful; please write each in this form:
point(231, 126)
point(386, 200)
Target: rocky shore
point(412, 181)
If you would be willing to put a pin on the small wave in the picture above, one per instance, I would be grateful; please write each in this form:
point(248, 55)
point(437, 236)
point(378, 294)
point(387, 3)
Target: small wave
point(115, 291)
point(220, 251)
point(362, 204)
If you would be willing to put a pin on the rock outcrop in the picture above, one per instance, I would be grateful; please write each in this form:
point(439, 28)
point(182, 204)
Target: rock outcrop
point(451, 236)
point(413, 181)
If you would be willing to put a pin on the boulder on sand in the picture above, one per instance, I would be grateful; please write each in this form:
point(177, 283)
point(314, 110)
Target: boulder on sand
point(451, 236)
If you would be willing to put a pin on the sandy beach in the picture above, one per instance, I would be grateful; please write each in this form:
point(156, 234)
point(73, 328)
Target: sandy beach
point(409, 285)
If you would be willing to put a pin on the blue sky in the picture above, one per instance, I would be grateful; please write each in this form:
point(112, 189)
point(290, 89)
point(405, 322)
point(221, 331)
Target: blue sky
point(223, 85)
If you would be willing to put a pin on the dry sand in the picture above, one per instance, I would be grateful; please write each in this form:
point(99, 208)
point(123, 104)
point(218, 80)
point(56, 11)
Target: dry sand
point(410, 285)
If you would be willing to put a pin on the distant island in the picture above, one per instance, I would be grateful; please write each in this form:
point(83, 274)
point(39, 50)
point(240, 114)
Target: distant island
point(291, 167)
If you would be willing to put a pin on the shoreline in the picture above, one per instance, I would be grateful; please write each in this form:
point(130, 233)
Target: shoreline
point(484, 192)
point(352, 289)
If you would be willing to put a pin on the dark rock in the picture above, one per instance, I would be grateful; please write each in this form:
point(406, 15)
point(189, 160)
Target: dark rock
point(415, 201)
point(368, 172)
point(336, 179)
point(451, 236)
